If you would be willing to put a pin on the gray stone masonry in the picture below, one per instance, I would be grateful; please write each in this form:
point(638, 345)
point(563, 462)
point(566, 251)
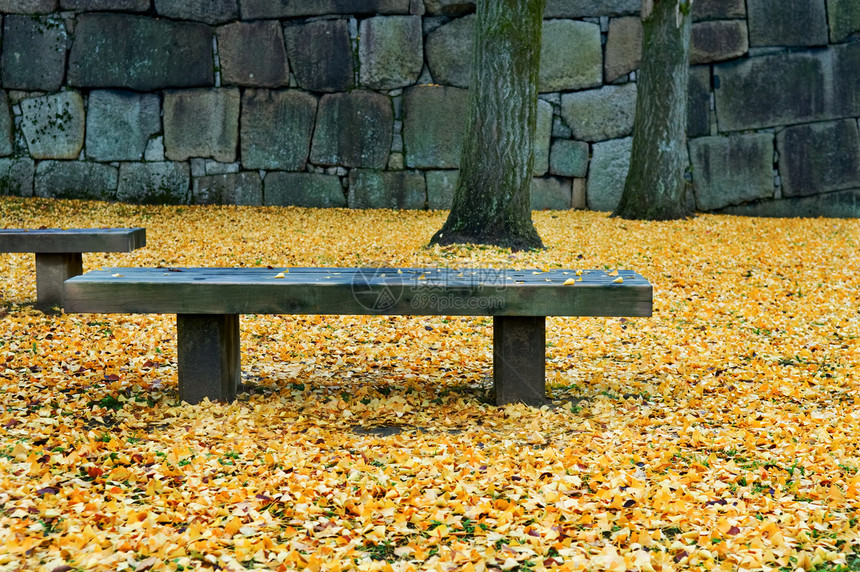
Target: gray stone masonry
point(787, 23)
point(449, 52)
point(819, 157)
point(34, 53)
point(568, 158)
point(433, 126)
point(718, 40)
point(53, 125)
point(390, 52)
point(607, 173)
point(844, 19)
point(120, 123)
point(257, 9)
point(571, 56)
point(543, 136)
point(387, 190)
point(253, 54)
point(600, 114)
point(96, 5)
point(228, 189)
point(550, 193)
point(154, 183)
point(353, 130)
point(7, 123)
point(590, 8)
point(16, 177)
point(623, 47)
point(838, 204)
point(208, 11)
point(201, 123)
point(321, 55)
point(75, 180)
point(303, 190)
point(451, 8)
point(27, 6)
point(276, 128)
point(731, 170)
point(718, 9)
point(699, 104)
point(441, 186)
point(140, 53)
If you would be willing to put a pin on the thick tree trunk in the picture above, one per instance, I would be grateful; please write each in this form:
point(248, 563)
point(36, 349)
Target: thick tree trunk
point(655, 188)
point(492, 201)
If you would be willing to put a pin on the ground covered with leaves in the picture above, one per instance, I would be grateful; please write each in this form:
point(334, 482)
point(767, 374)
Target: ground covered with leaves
point(721, 433)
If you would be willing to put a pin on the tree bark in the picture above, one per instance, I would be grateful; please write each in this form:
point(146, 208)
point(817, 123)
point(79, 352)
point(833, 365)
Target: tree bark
point(492, 201)
point(655, 188)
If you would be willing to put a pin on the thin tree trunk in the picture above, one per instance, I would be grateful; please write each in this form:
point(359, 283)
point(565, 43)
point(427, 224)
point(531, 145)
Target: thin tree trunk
point(655, 188)
point(492, 203)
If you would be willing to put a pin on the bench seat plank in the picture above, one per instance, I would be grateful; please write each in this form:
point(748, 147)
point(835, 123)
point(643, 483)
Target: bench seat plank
point(408, 291)
point(74, 240)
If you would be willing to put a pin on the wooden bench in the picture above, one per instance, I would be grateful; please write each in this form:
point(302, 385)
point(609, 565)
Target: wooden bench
point(208, 302)
point(59, 252)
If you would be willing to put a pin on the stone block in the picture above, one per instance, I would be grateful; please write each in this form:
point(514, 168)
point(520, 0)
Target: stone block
point(788, 23)
point(120, 123)
point(543, 136)
point(201, 123)
point(752, 93)
point(154, 183)
point(259, 9)
point(579, 195)
point(433, 126)
point(253, 54)
point(571, 56)
point(845, 89)
point(441, 186)
point(140, 53)
point(600, 114)
point(590, 8)
point(34, 53)
point(244, 188)
point(387, 190)
point(450, 8)
point(718, 9)
point(353, 130)
point(276, 128)
point(303, 190)
point(838, 204)
point(550, 193)
point(28, 6)
point(449, 52)
point(105, 5)
point(7, 123)
point(731, 170)
point(53, 125)
point(321, 55)
point(16, 177)
point(623, 47)
point(208, 11)
point(75, 180)
point(610, 162)
point(699, 102)
point(844, 19)
point(718, 40)
point(819, 157)
point(390, 51)
point(568, 158)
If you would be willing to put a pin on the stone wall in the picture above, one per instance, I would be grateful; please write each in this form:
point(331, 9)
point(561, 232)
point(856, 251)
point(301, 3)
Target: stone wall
point(361, 103)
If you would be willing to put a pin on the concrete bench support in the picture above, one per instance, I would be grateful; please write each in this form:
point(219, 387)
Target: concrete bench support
point(208, 357)
point(519, 359)
point(51, 271)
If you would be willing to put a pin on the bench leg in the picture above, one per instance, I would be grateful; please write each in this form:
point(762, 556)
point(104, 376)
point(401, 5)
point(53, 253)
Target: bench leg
point(209, 362)
point(51, 271)
point(519, 359)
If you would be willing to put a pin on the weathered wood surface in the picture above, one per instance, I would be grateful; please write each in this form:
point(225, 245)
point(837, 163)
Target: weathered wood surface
point(385, 291)
point(58, 241)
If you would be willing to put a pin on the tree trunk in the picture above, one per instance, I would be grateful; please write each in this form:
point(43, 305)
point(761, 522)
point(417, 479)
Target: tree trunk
point(655, 188)
point(492, 202)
